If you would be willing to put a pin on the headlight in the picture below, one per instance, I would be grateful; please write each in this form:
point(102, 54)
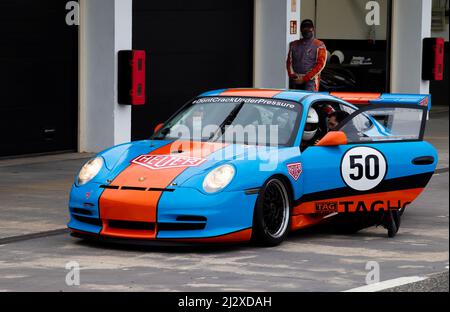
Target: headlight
point(218, 178)
point(90, 170)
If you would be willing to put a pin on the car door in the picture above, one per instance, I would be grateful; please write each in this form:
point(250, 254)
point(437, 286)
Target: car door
point(384, 165)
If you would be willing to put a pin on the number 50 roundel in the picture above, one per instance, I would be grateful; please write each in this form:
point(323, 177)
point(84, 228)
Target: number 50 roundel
point(363, 168)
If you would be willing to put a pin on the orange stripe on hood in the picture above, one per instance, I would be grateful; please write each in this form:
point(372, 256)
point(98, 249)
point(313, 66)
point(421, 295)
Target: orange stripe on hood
point(141, 206)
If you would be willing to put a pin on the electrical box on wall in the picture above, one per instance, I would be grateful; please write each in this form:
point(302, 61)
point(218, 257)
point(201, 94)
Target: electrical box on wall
point(433, 59)
point(131, 77)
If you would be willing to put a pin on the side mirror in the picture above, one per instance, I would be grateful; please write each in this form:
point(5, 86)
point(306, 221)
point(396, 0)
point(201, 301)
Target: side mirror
point(333, 138)
point(158, 127)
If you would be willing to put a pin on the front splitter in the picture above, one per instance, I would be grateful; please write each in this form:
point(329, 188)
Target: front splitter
point(234, 238)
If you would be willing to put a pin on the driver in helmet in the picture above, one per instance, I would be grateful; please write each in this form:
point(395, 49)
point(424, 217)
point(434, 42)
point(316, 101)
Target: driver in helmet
point(332, 120)
point(311, 132)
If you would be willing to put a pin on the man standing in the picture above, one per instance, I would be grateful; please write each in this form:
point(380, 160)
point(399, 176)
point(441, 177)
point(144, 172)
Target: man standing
point(306, 59)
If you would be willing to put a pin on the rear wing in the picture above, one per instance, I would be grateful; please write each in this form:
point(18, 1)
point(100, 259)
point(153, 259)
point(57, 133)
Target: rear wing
point(356, 98)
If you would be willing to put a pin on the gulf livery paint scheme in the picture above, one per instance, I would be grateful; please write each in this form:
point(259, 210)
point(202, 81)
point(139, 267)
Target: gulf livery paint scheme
point(131, 199)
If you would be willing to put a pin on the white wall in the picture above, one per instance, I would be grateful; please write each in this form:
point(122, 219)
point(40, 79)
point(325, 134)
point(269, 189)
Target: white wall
point(411, 23)
point(105, 28)
point(344, 19)
point(271, 41)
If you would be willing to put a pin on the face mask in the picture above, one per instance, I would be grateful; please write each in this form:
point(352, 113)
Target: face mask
point(307, 34)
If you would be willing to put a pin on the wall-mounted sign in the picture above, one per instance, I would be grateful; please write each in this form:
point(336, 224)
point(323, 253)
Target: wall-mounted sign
point(131, 77)
point(293, 27)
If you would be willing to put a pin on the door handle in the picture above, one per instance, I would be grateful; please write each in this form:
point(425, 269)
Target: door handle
point(423, 160)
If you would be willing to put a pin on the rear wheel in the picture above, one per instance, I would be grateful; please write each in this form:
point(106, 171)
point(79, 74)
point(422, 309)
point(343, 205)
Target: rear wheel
point(272, 213)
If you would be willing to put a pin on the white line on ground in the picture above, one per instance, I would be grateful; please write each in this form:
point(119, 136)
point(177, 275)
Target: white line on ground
point(388, 284)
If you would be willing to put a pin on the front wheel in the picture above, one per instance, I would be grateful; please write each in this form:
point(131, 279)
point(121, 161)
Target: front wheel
point(272, 213)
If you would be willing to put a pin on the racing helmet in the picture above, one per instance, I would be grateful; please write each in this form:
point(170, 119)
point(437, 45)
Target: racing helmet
point(337, 57)
point(312, 124)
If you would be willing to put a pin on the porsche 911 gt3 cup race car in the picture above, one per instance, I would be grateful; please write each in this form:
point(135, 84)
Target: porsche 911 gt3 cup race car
point(253, 164)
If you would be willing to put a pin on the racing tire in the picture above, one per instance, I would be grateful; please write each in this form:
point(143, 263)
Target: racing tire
point(272, 214)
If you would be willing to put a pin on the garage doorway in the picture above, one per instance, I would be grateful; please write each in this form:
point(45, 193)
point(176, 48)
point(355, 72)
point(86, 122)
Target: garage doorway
point(192, 46)
point(38, 78)
point(357, 34)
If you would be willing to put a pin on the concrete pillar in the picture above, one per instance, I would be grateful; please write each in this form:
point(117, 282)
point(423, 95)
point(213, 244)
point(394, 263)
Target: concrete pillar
point(271, 40)
point(105, 28)
point(411, 22)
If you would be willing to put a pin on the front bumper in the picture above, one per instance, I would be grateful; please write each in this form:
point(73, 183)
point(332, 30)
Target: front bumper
point(237, 237)
point(184, 215)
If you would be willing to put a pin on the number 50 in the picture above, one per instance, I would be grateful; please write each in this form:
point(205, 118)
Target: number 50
point(367, 167)
point(363, 168)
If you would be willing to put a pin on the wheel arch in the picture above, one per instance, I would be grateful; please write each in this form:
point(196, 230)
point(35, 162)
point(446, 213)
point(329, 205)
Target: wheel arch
point(287, 182)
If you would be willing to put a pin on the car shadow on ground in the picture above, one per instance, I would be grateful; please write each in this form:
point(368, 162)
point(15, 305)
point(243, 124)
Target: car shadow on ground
point(299, 236)
point(328, 230)
point(164, 247)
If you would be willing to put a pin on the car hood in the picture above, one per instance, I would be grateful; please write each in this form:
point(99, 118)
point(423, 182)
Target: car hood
point(166, 169)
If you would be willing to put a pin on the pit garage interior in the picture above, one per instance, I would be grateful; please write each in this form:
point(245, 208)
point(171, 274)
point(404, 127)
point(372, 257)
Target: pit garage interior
point(59, 81)
point(38, 78)
point(192, 46)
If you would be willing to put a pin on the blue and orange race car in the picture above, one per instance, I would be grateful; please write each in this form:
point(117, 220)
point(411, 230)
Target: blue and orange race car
point(253, 164)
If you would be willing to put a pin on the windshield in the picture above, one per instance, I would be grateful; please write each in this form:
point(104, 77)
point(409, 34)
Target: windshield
point(236, 120)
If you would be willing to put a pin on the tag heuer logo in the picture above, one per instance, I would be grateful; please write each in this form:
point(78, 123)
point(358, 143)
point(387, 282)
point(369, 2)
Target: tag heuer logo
point(295, 170)
point(326, 207)
point(156, 162)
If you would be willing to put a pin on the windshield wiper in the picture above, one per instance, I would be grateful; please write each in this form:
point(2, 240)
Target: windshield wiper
point(228, 121)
